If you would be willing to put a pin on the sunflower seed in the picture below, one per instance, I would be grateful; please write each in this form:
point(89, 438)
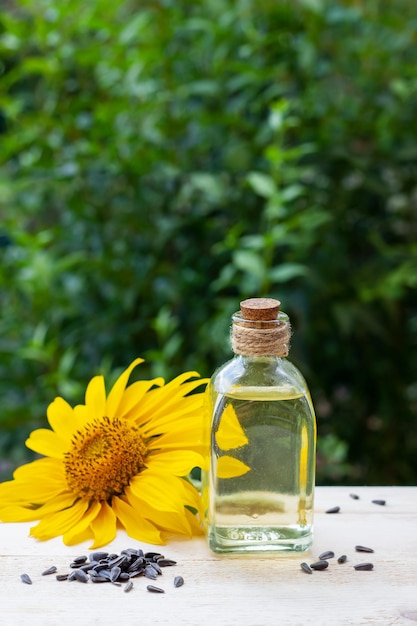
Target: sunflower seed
point(151, 555)
point(364, 566)
point(326, 555)
point(150, 572)
point(99, 579)
point(130, 552)
point(154, 589)
point(380, 502)
point(178, 581)
point(26, 579)
point(319, 565)
point(99, 567)
point(139, 572)
point(118, 560)
point(128, 587)
point(98, 556)
point(137, 564)
point(363, 549)
point(334, 509)
point(166, 562)
point(156, 567)
point(79, 560)
point(342, 559)
point(115, 573)
point(50, 570)
point(354, 496)
point(306, 568)
point(80, 576)
point(61, 576)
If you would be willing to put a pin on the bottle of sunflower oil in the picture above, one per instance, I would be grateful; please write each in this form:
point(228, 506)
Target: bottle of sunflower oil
point(258, 482)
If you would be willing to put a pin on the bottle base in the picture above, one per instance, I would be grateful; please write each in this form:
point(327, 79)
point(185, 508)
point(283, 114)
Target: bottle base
point(246, 540)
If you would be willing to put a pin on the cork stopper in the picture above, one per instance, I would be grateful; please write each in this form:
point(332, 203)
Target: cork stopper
point(260, 328)
point(260, 309)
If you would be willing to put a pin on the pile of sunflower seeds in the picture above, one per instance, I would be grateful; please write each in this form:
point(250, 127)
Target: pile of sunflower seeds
point(117, 569)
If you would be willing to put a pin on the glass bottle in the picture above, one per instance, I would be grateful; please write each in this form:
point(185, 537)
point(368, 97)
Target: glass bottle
point(258, 483)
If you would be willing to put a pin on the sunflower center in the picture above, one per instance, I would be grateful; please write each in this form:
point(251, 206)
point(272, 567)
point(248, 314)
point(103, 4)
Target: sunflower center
point(103, 458)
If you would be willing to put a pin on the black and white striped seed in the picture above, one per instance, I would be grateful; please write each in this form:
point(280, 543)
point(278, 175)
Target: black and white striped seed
point(50, 570)
point(178, 581)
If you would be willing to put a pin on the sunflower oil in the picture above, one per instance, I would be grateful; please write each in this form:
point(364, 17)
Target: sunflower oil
point(258, 486)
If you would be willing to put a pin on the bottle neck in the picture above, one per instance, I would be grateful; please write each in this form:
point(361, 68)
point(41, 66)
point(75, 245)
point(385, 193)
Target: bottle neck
point(261, 339)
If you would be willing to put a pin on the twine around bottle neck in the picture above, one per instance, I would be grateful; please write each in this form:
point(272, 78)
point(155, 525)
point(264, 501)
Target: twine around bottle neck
point(260, 338)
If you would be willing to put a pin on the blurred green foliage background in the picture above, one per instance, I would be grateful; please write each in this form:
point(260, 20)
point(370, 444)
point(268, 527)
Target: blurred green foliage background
point(162, 160)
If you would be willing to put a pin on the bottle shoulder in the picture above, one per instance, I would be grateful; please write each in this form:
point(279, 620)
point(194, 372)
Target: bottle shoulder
point(273, 373)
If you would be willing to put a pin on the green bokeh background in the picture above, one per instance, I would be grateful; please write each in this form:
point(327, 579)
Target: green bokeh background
point(162, 160)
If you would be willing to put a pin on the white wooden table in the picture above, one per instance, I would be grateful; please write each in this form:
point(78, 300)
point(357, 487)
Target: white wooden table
point(241, 591)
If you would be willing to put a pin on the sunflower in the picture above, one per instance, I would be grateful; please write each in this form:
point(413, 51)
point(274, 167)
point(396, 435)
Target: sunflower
point(118, 461)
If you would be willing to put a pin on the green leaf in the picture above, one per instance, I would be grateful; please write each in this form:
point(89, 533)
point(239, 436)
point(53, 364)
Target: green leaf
point(262, 184)
point(287, 271)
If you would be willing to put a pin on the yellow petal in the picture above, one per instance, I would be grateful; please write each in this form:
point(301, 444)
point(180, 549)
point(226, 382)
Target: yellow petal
point(103, 526)
point(59, 522)
point(173, 522)
point(177, 462)
point(84, 535)
point(81, 528)
point(64, 500)
point(196, 526)
point(82, 416)
point(135, 524)
point(230, 434)
point(163, 401)
point(15, 513)
point(95, 398)
point(61, 419)
point(34, 483)
point(29, 513)
point(159, 491)
point(41, 469)
point(130, 405)
point(116, 393)
point(29, 493)
point(186, 428)
point(228, 467)
point(192, 497)
point(303, 459)
point(47, 442)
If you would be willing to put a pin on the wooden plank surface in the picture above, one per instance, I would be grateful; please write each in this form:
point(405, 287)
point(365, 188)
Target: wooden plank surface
point(241, 591)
